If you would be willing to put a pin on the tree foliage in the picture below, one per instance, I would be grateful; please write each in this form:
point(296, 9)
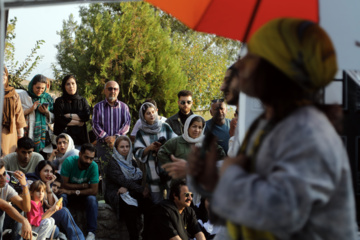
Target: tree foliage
point(146, 51)
point(125, 43)
point(19, 71)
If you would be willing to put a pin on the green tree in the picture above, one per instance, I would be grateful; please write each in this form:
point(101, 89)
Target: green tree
point(19, 71)
point(149, 53)
point(126, 43)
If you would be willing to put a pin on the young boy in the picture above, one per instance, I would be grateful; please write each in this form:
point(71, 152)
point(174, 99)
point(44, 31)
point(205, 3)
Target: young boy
point(57, 184)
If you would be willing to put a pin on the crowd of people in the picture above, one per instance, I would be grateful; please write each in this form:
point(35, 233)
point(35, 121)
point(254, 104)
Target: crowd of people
point(182, 177)
point(50, 146)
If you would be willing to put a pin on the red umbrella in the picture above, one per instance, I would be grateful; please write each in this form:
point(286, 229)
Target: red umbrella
point(236, 19)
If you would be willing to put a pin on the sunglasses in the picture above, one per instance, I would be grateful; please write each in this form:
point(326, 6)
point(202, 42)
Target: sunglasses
point(111, 88)
point(183, 102)
point(217, 100)
point(188, 194)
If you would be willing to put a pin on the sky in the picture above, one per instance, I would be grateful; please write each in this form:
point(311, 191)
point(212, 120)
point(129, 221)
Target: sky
point(40, 23)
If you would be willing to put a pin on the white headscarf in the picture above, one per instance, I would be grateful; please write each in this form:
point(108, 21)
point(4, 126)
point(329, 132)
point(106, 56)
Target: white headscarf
point(186, 130)
point(156, 126)
point(70, 151)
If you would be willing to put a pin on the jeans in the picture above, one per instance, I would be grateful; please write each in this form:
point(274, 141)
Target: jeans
point(45, 229)
point(91, 207)
point(64, 219)
point(9, 223)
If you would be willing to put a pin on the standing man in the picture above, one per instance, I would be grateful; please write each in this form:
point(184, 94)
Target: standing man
point(111, 118)
point(173, 218)
point(80, 185)
point(24, 158)
point(231, 95)
point(177, 121)
point(221, 123)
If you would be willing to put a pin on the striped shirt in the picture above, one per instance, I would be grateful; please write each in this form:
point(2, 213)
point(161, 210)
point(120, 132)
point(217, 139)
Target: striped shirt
point(110, 120)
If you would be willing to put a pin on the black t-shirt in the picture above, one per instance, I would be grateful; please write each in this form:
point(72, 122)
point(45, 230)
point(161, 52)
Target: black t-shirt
point(167, 222)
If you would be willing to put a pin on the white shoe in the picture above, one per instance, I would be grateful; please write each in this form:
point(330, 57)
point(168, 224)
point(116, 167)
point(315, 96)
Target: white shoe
point(90, 236)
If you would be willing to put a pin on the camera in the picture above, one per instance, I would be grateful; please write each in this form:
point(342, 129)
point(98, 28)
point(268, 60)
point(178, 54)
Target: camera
point(162, 140)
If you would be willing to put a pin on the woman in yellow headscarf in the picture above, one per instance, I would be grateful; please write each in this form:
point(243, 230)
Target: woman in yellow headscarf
point(291, 178)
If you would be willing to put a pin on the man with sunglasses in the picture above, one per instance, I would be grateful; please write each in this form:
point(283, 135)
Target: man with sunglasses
point(111, 118)
point(173, 218)
point(177, 121)
point(219, 125)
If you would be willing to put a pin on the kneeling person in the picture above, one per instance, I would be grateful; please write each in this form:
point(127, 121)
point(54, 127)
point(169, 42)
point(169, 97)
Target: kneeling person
point(80, 184)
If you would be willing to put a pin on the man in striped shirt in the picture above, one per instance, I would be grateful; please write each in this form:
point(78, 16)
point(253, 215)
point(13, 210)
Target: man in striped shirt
point(111, 118)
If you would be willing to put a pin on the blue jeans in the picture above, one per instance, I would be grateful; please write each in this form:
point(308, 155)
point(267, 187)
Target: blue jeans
point(64, 219)
point(7, 222)
point(91, 207)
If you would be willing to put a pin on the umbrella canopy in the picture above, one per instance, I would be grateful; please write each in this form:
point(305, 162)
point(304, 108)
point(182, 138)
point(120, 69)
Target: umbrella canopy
point(239, 19)
point(235, 19)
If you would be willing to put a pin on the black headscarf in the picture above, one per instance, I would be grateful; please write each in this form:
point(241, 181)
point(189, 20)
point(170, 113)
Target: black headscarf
point(65, 95)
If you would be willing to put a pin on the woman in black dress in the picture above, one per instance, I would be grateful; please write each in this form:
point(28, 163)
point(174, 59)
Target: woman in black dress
point(71, 112)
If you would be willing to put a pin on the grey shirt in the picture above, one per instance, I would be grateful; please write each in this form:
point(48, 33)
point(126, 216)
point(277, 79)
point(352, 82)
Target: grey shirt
point(302, 187)
point(7, 192)
point(12, 163)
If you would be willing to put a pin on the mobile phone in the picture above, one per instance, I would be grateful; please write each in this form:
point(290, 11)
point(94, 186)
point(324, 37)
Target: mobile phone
point(45, 104)
point(34, 235)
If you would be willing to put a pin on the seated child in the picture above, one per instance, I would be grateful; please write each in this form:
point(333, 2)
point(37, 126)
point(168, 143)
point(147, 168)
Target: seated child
point(56, 185)
point(41, 222)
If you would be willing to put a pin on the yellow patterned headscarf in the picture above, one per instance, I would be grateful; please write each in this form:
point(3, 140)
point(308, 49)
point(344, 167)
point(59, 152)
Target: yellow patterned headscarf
point(299, 48)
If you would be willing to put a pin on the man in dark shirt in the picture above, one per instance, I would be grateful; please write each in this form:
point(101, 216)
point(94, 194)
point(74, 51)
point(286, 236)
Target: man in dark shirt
point(219, 125)
point(177, 120)
point(174, 219)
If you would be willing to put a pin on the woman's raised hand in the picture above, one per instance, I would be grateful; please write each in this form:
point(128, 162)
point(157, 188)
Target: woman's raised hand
point(44, 110)
point(122, 190)
point(177, 168)
point(35, 105)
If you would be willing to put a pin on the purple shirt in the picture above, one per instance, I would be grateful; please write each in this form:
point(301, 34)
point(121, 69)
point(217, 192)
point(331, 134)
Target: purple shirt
point(110, 120)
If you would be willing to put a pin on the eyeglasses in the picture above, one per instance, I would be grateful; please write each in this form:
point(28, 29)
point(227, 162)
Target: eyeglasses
point(111, 88)
point(217, 100)
point(183, 102)
point(188, 194)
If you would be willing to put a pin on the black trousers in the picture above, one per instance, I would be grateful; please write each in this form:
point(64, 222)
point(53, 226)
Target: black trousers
point(133, 219)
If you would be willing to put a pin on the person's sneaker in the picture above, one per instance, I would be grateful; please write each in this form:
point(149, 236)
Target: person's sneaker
point(90, 236)
point(6, 235)
point(62, 236)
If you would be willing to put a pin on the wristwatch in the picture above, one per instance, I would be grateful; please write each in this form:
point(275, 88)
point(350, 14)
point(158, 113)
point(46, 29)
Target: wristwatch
point(71, 115)
point(77, 192)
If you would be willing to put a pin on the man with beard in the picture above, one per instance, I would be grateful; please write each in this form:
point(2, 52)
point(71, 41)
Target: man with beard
point(177, 120)
point(24, 158)
point(80, 185)
point(231, 96)
point(173, 218)
point(111, 118)
point(219, 125)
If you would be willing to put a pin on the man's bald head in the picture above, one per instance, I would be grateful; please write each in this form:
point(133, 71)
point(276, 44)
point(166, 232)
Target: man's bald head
point(106, 84)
